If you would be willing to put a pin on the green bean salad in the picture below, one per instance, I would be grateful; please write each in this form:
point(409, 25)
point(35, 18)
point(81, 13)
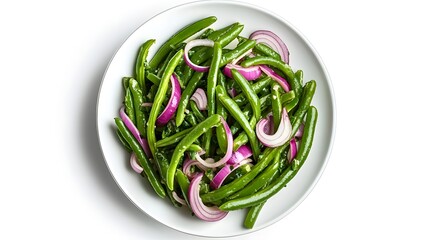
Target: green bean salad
point(216, 128)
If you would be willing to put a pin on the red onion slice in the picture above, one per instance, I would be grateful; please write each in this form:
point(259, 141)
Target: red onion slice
point(192, 44)
point(280, 137)
point(133, 129)
point(292, 150)
point(188, 163)
point(272, 40)
point(172, 104)
point(210, 214)
point(200, 98)
point(134, 164)
point(228, 154)
point(178, 199)
point(225, 171)
point(242, 152)
point(250, 73)
point(300, 131)
point(272, 74)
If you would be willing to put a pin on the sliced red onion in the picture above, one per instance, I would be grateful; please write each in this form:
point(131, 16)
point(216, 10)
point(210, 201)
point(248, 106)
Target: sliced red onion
point(210, 214)
point(272, 40)
point(188, 163)
point(232, 92)
point(292, 150)
point(300, 131)
point(242, 152)
point(178, 199)
point(250, 73)
point(133, 129)
point(279, 138)
point(272, 74)
point(223, 173)
point(172, 104)
point(134, 164)
point(192, 44)
point(200, 99)
point(228, 154)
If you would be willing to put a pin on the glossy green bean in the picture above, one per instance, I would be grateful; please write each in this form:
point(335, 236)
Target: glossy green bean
point(308, 134)
point(152, 177)
point(288, 97)
point(283, 67)
point(238, 115)
point(129, 105)
point(123, 141)
point(220, 109)
point(175, 138)
point(186, 96)
point(179, 37)
point(197, 113)
point(184, 183)
point(252, 215)
point(241, 99)
point(137, 94)
point(197, 131)
point(304, 104)
point(159, 98)
point(250, 94)
point(276, 104)
point(153, 78)
point(237, 52)
point(266, 51)
point(211, 94)
point(140, 66)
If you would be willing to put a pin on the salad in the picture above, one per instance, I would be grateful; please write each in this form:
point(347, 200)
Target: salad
point(215, 128)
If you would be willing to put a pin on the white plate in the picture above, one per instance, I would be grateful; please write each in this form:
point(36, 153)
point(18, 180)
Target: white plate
point(303, 56)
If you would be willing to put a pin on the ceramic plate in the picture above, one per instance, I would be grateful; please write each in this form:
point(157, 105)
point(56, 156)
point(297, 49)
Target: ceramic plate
point(161, 27)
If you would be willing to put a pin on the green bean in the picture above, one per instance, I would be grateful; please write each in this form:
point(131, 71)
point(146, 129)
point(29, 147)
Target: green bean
point(173, 138)
point(125, 82)
point(276, 104)
point(194, 108)
point(238, 51)
point(179, 37)
point(206, 33)
point(290, 106)
point(153, 78)
point(123, 141)
point(238, 115)
point(141, 63)
point(129, 105)
point(308, 134)
point(152, 177)
point(286, 176)
point(203, 127)
point(283, 67)
point(251, 95)
point(136, 92)
point(211, 84)
point(242, 138)
point(288, 97)
point(161, 68)
point(183, 184)
point(299, 76)
point(240, 183)
point(194, 148)
point(215, 35)
point(241, 99)
point(159, 98)
point(186, 95)
point(266, 51)
point(304, 104)
point(191, 119)
point(252, 215)
point(220, 132)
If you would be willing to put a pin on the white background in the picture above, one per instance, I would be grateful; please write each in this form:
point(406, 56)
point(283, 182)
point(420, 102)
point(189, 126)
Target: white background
point(54, 183)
